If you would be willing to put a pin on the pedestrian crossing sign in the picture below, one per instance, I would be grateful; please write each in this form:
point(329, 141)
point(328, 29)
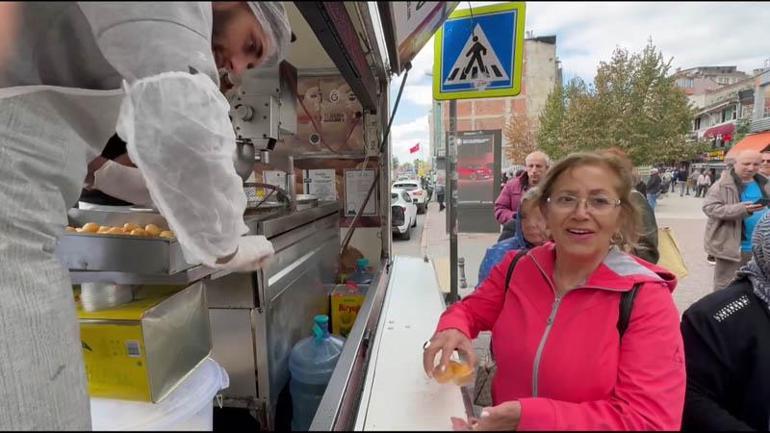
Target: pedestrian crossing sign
point(479, 53)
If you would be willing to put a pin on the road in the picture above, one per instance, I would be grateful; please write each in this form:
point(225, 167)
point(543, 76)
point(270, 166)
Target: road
point(412, 246)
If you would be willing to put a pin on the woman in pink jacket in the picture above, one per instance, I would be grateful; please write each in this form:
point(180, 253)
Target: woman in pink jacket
point(561, 361)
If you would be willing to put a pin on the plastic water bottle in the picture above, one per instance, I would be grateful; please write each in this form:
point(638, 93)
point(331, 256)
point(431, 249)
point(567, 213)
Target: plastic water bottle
point(361, 275)
point(311, 364)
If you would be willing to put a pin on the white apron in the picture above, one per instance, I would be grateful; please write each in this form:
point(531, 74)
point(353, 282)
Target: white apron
point(47, 136)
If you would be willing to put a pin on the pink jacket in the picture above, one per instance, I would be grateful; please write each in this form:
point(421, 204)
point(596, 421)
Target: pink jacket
point(507, 203)
point(575, 374)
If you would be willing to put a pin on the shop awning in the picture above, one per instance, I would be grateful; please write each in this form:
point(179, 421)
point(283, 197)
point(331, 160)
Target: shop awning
point(726, 131)
point(758, 142)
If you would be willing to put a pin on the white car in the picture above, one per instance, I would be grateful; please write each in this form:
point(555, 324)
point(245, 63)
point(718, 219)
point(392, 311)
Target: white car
point(419, 196)
point(403, 213)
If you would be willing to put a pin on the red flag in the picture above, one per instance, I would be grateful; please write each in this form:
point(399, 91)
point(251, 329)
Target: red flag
point(414, 148)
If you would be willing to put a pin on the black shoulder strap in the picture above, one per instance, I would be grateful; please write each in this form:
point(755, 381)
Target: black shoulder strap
point(512, 266)
point(626, 305)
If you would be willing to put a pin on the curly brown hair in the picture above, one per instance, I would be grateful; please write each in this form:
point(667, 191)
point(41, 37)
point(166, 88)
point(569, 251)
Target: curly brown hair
point(630, 226)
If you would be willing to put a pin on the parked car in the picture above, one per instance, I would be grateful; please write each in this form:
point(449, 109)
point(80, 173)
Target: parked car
point(419, 196)
point(403, 213)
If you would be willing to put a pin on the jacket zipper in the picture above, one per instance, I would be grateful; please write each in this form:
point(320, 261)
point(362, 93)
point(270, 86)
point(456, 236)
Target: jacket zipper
point(540, 347)
point(548, 326)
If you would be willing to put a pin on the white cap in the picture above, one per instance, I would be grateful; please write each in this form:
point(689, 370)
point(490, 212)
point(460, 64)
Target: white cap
point(275, 24)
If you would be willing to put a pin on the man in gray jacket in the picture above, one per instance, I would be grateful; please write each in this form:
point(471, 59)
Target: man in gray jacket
point(732, 210)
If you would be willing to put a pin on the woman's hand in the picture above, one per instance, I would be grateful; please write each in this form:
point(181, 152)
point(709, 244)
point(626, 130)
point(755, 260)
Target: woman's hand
point(447, 342)
point(504, 416)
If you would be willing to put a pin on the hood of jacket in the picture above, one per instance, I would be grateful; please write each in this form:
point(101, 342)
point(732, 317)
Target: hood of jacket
point(618, 272)
point(518, 242)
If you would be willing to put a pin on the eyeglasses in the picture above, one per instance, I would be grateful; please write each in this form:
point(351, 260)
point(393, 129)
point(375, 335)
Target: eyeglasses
point(596, 204)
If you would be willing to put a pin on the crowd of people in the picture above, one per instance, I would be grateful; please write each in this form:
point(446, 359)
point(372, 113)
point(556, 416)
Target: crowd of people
point(585, 333)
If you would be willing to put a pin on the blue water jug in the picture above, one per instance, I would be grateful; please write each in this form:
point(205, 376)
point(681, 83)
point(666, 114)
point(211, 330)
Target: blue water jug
point(361, 275)
point(311, 364)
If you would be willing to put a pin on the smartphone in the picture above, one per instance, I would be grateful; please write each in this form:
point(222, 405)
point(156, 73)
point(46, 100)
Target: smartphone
point(763, 201)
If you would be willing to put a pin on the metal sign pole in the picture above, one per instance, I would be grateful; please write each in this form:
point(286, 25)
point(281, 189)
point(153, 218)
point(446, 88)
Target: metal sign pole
point(452, 202)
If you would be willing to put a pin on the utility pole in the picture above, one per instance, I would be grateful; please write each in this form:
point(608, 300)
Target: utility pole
point(451, 181)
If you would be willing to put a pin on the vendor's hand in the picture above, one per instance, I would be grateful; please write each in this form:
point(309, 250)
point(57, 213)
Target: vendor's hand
point(504, 416)
point(253, 253)
point(94, 165)
point(447, 342)
point(124, 160)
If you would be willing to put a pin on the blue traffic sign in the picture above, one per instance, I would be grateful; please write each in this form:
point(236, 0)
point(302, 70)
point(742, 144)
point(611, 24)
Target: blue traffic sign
point(480, 55)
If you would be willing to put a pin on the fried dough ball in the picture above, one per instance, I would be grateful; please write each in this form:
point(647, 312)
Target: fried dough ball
point(70, 229)
point(129, 227)
point(444, 376)
point(167, 234)
point(138, 232)
point(152, 229)
point(90, 228)
point(459, 373)
point(462, 372)
point(116, 231)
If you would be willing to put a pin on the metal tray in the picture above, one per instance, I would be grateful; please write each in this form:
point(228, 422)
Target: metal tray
point(103, 252)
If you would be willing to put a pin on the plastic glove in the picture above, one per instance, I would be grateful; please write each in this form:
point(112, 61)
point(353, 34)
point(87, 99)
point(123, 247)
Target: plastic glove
point(252, 254)
point(123, 182)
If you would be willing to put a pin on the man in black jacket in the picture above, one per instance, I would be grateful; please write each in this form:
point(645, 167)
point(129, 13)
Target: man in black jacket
point(727, 347)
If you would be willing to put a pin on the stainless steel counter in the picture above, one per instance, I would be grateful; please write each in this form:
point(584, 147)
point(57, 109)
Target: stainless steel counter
point(256, 318)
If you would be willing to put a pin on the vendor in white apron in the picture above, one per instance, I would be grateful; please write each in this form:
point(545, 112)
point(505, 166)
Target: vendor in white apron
point(76, 73)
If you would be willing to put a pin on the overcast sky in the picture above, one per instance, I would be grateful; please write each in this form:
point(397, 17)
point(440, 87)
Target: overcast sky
point(693, 33)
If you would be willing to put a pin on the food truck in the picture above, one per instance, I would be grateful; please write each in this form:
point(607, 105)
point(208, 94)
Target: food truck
point(314, 149)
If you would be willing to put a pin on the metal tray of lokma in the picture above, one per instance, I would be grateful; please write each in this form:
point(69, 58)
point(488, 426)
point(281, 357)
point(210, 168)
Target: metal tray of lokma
point(120, 253)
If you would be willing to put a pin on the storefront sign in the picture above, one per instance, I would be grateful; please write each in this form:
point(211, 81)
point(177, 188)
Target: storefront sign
point(409, 25)
point(715, 155)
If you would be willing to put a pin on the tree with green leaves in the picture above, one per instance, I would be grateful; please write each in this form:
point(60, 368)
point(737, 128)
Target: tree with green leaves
point(632, 104)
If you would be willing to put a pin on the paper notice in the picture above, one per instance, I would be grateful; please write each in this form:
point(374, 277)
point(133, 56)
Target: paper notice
point(357, 184)
point(321, 183)
point(275, 178)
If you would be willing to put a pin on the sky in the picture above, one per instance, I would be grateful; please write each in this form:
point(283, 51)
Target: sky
point(692, 33)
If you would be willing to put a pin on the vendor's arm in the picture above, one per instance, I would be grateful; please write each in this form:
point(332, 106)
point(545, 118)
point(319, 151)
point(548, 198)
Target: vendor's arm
point(176, 124)
point(650, 388)
point(123, 182)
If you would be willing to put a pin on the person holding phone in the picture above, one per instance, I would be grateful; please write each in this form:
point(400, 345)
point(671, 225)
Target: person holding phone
point(734, 204)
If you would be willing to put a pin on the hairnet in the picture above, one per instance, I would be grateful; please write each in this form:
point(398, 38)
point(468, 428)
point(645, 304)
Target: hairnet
point(275, 24)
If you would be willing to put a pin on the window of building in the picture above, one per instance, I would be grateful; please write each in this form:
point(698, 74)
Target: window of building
point(728, 113)
point(685, 83)
point(697, 123)
point(766, 93)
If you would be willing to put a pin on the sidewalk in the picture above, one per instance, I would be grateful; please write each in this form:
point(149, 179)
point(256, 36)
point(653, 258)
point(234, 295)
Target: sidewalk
point(682, 214)
point(471, 246)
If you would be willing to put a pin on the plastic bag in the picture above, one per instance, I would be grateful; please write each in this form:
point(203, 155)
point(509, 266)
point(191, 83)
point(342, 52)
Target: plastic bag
point(670, 255)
